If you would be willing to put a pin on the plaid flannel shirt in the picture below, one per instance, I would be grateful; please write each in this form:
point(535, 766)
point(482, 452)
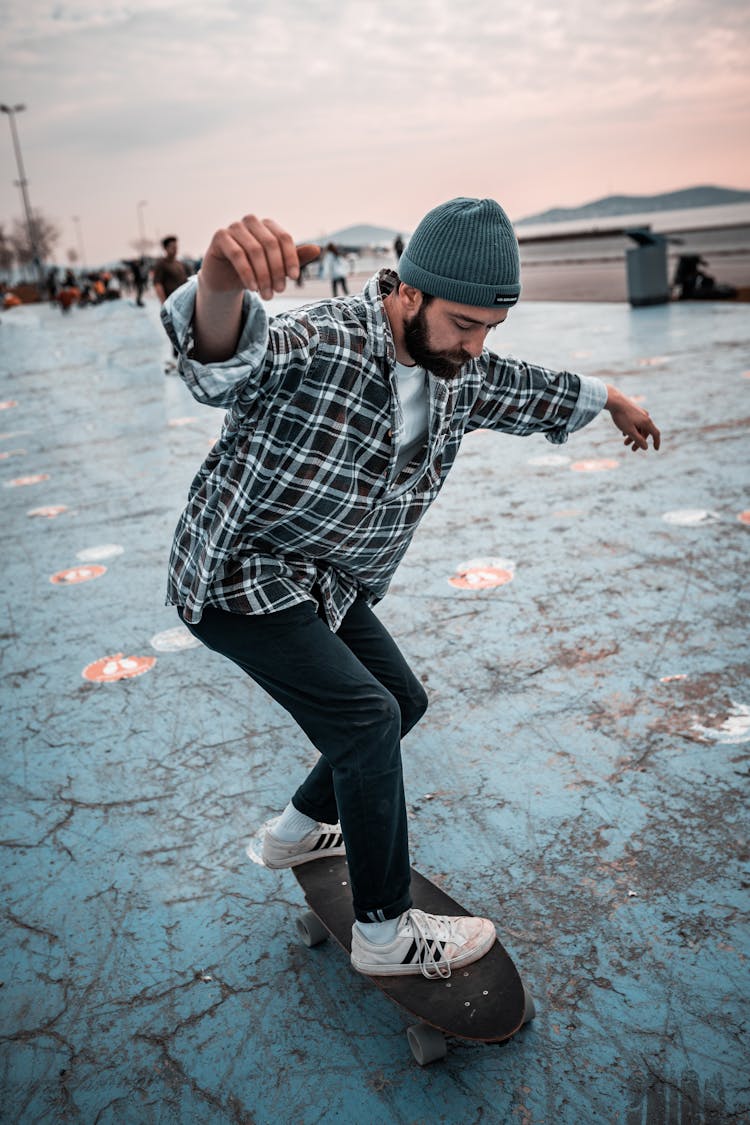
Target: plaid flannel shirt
point(300, 497)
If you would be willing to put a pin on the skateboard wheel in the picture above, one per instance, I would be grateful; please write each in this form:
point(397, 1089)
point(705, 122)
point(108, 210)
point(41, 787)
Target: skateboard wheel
point(529, 1007)
point(427, 1043)
point(311, 929)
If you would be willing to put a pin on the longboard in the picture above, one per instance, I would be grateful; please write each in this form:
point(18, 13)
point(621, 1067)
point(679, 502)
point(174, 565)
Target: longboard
point(485, 1002)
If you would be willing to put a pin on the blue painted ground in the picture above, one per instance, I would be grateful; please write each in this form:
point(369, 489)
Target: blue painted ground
point(580, 776)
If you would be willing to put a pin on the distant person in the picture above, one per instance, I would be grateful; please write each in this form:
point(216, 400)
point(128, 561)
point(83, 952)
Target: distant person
point(113, 290)
point(693, 283)
point(138, 278)
point(67, 296)
point(138, 266)
point(342, 422)
point(169, 274)
point(398, 247)
point(51, 284)
point(335, 269)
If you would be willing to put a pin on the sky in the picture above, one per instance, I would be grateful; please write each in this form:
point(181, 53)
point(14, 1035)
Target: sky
point(188, 114)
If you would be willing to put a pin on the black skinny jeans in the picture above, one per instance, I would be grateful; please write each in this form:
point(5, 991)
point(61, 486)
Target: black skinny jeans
point(355, 697)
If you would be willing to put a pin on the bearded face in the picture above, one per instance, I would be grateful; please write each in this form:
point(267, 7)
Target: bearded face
point(442, 364)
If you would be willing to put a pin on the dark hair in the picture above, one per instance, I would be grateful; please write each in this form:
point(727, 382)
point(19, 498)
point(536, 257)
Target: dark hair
point(166, 241)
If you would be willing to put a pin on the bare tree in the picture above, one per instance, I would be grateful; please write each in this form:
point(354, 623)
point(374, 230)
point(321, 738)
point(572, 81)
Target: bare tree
point(46, 235)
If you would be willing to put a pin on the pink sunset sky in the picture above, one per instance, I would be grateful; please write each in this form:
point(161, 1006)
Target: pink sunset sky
point(323, 113)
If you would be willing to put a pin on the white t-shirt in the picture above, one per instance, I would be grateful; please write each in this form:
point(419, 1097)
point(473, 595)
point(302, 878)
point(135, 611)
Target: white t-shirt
point(415, 403)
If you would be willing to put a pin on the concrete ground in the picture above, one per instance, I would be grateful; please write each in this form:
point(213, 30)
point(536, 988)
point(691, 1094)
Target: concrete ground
point(581, 775)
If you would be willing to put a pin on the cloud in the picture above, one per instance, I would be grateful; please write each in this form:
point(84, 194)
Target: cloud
point(374, 104)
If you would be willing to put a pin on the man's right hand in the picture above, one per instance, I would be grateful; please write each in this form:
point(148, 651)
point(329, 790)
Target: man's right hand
point(254, 254)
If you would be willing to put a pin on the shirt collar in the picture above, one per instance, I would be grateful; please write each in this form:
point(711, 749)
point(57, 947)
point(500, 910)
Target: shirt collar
point(378, 325)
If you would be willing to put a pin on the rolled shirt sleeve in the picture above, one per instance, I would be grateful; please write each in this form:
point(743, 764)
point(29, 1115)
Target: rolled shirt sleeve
point(216, 384)
point(592, 399)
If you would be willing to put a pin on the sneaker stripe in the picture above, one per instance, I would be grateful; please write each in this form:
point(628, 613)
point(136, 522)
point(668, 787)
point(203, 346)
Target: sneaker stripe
point(412, 954)
point(328, 840)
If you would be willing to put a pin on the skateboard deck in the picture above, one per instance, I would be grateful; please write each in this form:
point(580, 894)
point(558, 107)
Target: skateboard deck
point(485, 1002)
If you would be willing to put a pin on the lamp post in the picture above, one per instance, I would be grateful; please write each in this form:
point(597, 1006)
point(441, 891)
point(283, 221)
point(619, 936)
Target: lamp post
point(23, 183)
point(79, 235)
point(141, 226)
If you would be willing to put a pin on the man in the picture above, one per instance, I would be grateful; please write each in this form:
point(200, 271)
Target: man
point(139, 276)
point(169, 274)
point(343, 420)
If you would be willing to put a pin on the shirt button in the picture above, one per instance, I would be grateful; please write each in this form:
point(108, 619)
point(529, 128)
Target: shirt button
point(389, 434)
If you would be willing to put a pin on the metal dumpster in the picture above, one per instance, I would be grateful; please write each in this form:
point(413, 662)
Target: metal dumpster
point(646, 263)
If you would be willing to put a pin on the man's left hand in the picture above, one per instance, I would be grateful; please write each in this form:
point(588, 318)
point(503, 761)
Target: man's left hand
point(631, 420)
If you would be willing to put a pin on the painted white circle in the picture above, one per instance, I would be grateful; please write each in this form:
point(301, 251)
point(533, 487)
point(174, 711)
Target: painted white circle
point(549, 459)
point(689, 517)
point(103, 551)
point(174, 640)
point(735, 727)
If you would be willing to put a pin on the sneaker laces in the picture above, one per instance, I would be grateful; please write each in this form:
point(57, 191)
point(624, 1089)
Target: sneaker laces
point(431, 935)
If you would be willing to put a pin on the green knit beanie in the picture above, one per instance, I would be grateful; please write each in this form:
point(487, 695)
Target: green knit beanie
point(464, 251)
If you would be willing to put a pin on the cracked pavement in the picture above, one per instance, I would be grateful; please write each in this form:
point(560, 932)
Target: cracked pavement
point(580, 776)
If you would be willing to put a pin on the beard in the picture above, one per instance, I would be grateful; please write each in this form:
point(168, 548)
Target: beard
point(443, 365)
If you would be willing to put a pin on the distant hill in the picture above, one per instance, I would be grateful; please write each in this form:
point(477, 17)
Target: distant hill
point(359, 235)
point(635, 204)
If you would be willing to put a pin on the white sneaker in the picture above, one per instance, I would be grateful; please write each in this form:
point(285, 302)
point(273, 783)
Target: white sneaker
point(324, 840)
point(425, 943)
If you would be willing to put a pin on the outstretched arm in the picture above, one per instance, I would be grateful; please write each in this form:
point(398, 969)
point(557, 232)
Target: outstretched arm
point(255, 254)
point(631, 420)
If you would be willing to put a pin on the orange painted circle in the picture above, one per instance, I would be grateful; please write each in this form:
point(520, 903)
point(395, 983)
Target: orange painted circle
point(653, 361)
point(20, 482)
point(76, 574)
point(744, 517)
point(481, 578)
point(118, 667)
point(49, 511)
point(595, 465)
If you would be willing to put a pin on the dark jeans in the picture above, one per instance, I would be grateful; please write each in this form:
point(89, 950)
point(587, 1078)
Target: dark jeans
point(355, 697)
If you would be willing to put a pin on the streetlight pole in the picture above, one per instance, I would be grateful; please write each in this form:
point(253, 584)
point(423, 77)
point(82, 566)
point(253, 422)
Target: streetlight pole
point(81, 247)
point(23, 183)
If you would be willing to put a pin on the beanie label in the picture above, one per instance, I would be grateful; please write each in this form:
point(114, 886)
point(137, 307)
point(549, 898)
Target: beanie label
point(504, 299)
